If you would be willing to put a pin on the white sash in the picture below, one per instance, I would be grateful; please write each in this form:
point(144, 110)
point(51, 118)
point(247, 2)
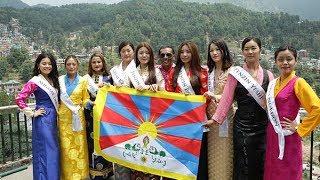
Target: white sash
point(184, 82)
point(76, 123)
point(211, 81)
point(223, 128)
point(46, 86)
point(274, 118)
point(253, 87)
point(121, 77)
point(92, 87)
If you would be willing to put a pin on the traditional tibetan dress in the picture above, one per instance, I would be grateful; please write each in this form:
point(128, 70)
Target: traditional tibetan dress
point(289, 95)
point(100, 168)
point(72, 128)
point(45, 146)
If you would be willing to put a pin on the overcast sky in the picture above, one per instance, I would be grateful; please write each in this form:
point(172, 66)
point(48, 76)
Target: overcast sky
point(63, 2)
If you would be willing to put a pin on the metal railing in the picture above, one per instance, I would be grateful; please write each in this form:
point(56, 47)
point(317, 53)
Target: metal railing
point(15, 140)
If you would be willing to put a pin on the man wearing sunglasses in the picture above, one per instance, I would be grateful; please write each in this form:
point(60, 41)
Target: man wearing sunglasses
point(166, 58)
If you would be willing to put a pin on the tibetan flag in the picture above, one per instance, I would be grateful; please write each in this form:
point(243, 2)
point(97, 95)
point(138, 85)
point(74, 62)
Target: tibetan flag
point(158, 133)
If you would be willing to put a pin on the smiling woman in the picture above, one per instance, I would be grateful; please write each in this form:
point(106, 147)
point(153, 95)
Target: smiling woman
point(188, 77)
point(72, 125)
point(45, 87)
point(96, 78)
point(285, 96)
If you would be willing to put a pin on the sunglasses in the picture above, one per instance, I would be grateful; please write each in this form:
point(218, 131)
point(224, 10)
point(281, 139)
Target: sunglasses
point(166, 55)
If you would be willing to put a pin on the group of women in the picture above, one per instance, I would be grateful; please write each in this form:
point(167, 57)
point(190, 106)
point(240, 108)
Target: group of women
point(260, 140)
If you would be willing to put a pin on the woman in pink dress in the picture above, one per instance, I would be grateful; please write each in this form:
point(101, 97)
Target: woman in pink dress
point(285, 96)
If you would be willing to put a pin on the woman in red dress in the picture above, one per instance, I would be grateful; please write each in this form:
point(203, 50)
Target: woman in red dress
point(188, 77)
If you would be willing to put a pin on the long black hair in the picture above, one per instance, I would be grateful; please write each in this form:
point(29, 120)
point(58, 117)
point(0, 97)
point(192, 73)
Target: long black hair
point(53, 75)
point(225, 55)
point(152, 75)
point(195, 66)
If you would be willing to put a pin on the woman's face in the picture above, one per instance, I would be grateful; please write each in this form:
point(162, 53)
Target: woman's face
point(215, 53)
point(251, 51)
point(45, 66)
point(72, 66)
point(143, 55)
point(185, 54)
point(96, 64)
point(126, 53)
point(286, 62)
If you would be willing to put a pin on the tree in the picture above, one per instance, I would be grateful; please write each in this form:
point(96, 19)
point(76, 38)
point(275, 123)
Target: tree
point(17, 57)
point(4, 98)
point(3, 67)
point(25, 71)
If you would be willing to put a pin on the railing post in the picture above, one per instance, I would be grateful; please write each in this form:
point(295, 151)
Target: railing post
point(19, 135)
point(11, 137)
point(2, 139)
point(311, 155)
point(26, 133)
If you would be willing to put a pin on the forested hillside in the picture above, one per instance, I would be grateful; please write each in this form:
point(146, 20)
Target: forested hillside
point(163, 22)
point(307, 9)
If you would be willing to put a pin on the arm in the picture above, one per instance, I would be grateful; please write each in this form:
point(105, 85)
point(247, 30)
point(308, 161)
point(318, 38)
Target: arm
point(22, 97)
point(226, 100)
point(160, 79)
point(311, 102)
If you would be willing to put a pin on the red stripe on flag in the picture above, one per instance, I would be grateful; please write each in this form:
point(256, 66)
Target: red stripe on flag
point(127, 102)
point(109, 116)
point(108, 141)
point(193, 116)
point(158, 106)
point(189, 145)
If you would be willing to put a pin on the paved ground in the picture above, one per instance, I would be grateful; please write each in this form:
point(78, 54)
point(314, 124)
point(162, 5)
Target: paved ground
point(22, 175)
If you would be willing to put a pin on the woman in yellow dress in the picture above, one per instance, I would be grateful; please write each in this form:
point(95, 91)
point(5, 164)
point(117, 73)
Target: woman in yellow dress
point(72, 131)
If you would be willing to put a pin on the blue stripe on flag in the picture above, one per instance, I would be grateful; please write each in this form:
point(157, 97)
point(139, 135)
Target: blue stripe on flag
point(143, 103)
point(119, 108)
point(190, 131)
point(177, 108)
point(189, 160)
point(107, 129)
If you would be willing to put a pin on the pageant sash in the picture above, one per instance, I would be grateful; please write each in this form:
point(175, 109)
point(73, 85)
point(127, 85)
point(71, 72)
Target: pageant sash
point(184, 82)
point(76, 123)
point(274, 118)
point(223, 128)
point(211, 81)
point(134, 75)
point(254, 88)
point(92, 87)
point(121, 77)
point(118, 76)
point(46, 86)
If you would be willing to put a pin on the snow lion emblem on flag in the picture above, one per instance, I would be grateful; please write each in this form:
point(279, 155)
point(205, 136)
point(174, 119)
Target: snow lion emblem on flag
point(158, 133)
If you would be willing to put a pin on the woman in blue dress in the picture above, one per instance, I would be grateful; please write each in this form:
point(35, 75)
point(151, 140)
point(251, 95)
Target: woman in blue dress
point(45, 87)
